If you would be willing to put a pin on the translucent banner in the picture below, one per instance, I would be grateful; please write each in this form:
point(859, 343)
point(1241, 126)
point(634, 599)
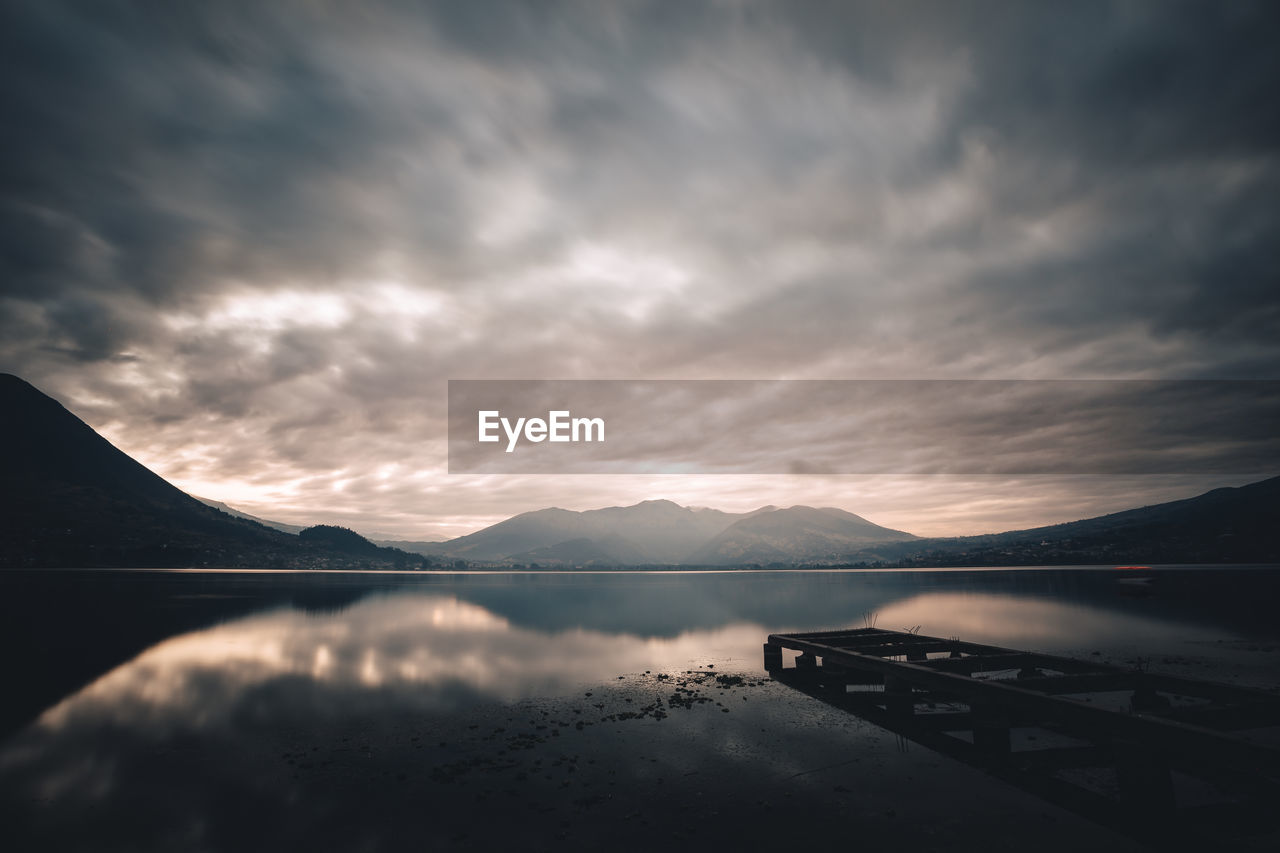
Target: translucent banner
point(864, 426)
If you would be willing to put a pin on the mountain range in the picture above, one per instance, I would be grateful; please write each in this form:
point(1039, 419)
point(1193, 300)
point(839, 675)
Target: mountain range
point(660, 532)
point(70, 498)
point(1227, 525)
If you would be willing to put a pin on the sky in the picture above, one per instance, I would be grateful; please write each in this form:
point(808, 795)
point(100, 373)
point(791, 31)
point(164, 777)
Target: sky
point(251, 243)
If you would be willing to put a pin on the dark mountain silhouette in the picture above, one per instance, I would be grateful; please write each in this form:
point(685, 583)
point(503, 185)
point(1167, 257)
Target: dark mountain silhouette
point(420, 547)
point(1230, 525)
point(795, 534)
point(341, 539)
point(664, 530)
point(607, 552)
point(1227, 525)
point(660, 531)
point(70, 498)
point(524, 532)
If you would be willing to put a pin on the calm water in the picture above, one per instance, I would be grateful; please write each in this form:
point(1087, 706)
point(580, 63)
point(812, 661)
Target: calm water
point(234, 711)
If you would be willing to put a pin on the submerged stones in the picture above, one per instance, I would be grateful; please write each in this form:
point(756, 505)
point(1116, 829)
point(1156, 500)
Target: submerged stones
point(680, 692)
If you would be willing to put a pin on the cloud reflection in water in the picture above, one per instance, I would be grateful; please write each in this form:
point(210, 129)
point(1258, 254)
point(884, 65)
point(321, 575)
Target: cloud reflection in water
point(414, 650)
point(436, 651)
point(284, 724)
point(1036, 623)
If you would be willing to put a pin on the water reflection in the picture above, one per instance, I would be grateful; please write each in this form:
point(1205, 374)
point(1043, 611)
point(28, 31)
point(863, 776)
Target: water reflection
point(74, 627)
point(1033, 623)
point(225, 702)
point(425, 650)
point(409, 650)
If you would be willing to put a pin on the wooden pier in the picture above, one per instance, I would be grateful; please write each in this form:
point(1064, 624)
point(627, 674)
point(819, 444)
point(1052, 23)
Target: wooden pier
point(1155, 756)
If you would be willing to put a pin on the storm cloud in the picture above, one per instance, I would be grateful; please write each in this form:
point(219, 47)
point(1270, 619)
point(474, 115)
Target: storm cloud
point(251, 242)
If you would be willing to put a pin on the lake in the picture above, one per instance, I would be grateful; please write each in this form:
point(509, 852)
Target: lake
point(194, 710)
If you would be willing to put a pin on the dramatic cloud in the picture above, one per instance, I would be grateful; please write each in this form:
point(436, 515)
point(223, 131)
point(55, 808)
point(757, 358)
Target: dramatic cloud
point(251, 242)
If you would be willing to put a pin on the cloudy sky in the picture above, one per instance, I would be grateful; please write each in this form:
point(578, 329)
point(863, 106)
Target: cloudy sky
point(251, 242)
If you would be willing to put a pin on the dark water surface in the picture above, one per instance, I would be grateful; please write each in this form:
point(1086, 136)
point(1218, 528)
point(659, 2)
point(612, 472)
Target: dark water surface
point(272, 711)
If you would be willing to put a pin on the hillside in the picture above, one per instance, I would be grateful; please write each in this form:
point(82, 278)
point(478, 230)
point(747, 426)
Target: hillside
point(659, 531)
point(609, 552)
point(795, 534)
point(72, 499)
point(1228, 525)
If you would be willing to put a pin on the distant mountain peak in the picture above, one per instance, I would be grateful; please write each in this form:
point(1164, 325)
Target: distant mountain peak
point(795, 534)
point(663, 531)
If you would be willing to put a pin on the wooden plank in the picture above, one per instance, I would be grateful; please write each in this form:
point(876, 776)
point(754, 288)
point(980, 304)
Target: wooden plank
point(904, 642)
point(852, 635)
point(1061, 758)
point(1023, 660)
point(921, 647)
point(1089, 682)
point(872, 636)
point(900, 643)
point(982, 663)
point(1145, 730)
point(947, 721)
point(1142, 748)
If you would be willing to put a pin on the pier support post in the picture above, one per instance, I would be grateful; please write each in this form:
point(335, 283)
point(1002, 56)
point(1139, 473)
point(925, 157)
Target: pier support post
point(806, 662)
point(834, 679)
point(897, 696)
point(990, 728)
point(772, 657)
